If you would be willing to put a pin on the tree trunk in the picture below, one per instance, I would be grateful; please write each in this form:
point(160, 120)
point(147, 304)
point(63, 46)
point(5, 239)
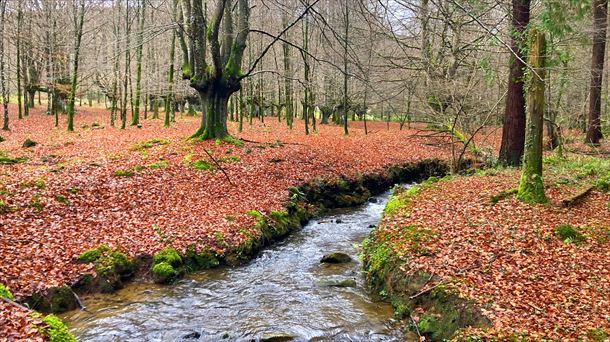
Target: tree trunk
point(600, 14)
point(214, 122)
point(135, 117)
point(169, 98)
point(18, 47)
point(531, 188)
point(79, 18)
point(3, 90)
point(513, 130)
point(345, 76)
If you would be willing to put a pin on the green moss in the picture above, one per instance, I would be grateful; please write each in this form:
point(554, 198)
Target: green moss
point(5, 292)
point(230, 159)
point(203, 165)
point(502, 195)
point(169, 256)
point(164, 273)
point(161, 164)
point(150, 144)
point(6, 160)
point(599, 334)
point(111, 264)
point(234, 141)
point(124, 173)
point(5, 207)
point(61, 199)
point(37, 204)
point(394, 204)
point(531, 188)
point(92, 255)
point(56, 330)
point(569, 234)
point(200, 260)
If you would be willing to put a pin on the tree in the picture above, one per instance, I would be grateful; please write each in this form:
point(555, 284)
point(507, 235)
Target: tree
point(217, 77)
point(169, 98)
point(78, 12)
point(135, 118)
point(531, 188)
point(513, 129)
point(345, 75)
point(3, 84)
point(600, 17)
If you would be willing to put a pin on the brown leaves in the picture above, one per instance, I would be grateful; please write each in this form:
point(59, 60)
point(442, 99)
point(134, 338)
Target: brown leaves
point(506, 258)
point(83, 204)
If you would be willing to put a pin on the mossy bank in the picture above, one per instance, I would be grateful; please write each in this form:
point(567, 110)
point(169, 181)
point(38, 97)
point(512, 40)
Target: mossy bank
point(436, 312)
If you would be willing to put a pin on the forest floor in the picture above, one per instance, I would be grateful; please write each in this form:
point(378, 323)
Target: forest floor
point(138, 188)
point(535, 271)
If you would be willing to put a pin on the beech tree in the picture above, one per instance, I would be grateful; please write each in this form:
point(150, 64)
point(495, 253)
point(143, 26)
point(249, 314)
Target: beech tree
point(213, 57)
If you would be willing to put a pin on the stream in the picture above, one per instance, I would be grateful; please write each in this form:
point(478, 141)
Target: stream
point(275, 297)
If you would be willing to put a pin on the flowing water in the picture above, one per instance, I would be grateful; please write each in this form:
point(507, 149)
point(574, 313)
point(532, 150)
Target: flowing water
point(278, 294)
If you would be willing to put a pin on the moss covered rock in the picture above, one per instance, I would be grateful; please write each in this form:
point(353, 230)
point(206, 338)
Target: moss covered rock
point(167, 266)
point(335, 258)
point(112, 267)
point(56, 299)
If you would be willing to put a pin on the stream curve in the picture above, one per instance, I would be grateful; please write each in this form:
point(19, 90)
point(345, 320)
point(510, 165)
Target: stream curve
point(279, 295)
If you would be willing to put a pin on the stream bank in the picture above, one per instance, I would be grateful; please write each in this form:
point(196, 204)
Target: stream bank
point(115, 268)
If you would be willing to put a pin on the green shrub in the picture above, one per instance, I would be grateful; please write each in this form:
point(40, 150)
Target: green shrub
point(569, 234)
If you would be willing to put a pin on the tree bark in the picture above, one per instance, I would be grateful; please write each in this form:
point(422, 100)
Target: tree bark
point(531, 188)
point(600, 15)
point(3, 90)
point(513, 130)
point(79, 18)
point(135, 118)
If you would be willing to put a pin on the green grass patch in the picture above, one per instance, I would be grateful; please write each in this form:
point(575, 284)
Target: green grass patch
point(5, 159)
point(203, 165)
point(578, 171)
point(502, 195)
point(161, 164)
point(124, 173)
point(150, 144)
point(230, 159)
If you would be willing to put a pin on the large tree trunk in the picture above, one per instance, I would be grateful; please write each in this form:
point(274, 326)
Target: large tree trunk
point(513, 130)
point(600, 14)
point(531, 188)
point(214, 121)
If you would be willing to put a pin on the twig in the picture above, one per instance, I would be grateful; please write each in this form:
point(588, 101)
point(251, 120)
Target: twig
point(220, 167)
point(415, 325)
point(424, 291)
point(15, 303)
point(80, 304)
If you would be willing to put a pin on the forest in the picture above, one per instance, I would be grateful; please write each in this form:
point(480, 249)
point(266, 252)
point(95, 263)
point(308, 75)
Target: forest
point(304, 170)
